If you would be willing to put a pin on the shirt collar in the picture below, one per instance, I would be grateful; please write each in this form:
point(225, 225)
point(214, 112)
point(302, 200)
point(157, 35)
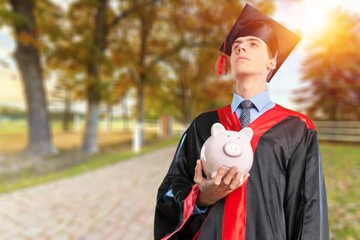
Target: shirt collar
point(260, 100)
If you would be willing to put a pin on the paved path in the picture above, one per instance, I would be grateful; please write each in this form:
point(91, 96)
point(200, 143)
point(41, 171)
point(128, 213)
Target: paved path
point(115, 202)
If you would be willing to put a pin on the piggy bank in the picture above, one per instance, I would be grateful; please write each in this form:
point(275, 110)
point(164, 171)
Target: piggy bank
point(227, 148)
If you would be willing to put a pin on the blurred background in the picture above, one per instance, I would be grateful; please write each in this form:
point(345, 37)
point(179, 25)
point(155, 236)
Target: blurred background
point(83, 80)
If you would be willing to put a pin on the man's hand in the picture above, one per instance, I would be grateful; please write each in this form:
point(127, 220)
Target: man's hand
point(212, 190)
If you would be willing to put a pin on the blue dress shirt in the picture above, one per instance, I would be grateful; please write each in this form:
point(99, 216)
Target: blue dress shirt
point(262, 102)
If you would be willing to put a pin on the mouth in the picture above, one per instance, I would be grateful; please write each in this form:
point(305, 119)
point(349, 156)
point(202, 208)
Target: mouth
point(242, 58)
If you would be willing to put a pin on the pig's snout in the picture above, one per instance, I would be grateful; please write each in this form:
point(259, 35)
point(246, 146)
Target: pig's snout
point(232, 149)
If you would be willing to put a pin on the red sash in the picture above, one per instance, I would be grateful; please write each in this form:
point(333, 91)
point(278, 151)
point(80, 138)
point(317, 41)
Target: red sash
point(234, 219)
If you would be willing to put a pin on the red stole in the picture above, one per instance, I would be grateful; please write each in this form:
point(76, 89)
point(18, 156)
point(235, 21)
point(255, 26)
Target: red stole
point(234, 219)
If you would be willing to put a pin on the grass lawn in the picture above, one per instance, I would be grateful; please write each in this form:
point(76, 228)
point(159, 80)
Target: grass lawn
point(13, 137)
point(342, 176)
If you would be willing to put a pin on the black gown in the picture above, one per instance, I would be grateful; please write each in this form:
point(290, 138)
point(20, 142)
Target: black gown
point(284, 197)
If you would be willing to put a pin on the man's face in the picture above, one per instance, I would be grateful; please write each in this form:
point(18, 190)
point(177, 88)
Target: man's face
point(250, 56)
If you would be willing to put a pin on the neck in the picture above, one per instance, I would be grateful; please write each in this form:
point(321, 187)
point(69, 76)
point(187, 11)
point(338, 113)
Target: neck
point(249, 87)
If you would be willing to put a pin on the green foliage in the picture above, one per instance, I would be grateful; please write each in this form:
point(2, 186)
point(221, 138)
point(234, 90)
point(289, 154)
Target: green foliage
point(11, 111)
point(8, 17)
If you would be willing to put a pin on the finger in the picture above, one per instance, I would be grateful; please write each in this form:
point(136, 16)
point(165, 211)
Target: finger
point(198, 172)
point(219, 175)
point(235, 183)
point(230, 175)
point(244, 177)
point(241, 178)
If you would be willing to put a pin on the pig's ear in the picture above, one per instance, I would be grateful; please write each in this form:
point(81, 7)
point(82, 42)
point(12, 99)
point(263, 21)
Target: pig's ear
point(247, 133)
point(216, 128)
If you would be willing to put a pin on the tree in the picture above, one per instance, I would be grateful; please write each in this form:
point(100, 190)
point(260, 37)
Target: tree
point(64, 93)
point(115, 91)
point(94, 24)
point(27, 57)
point(93, 65)
point(63, 57)
point(331, 70)
point(145, 48)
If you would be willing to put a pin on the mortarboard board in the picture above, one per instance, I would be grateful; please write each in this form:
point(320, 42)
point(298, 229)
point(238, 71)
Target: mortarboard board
point(252, 22)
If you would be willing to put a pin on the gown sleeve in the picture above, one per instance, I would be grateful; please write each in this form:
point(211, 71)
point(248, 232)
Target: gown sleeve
point(305, 203)
point(172, 213)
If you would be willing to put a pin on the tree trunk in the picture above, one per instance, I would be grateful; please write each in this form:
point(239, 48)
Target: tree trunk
point(141, 113)
point(109, 117)
point(146, 24)
point(67, 111)
point(28, 61)
point(94, 86)
point(91, 127)
point(125, 114)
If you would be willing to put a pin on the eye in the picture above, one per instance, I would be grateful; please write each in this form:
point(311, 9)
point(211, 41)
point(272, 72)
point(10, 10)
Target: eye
point(253, 44)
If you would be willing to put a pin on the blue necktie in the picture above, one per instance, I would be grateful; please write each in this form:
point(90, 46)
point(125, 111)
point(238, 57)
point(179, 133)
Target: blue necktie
point(245, 115)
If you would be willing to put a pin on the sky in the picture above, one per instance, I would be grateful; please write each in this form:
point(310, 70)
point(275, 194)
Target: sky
point(304, 15)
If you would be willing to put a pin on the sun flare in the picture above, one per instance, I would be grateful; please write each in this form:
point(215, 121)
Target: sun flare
point(310, 17)
point(315, 17)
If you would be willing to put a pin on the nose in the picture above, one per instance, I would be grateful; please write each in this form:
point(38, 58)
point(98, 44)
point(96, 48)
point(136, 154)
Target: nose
point(240, 48)
point(232, 149)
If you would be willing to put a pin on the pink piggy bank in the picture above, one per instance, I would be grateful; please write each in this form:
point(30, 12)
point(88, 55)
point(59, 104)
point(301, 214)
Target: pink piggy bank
point(227, 148)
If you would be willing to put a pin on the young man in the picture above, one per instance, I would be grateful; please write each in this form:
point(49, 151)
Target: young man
point(283, 196)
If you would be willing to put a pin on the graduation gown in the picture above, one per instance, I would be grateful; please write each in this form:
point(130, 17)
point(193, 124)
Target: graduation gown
point(284, 197)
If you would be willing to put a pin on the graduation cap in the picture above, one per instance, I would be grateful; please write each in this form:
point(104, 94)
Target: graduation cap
point(252, 22)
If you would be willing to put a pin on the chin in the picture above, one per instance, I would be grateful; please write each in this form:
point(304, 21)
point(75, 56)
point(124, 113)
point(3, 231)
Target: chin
point(238, 73)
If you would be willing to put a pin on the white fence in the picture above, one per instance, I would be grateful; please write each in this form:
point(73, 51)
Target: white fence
point(342, 131)
point(339, 131)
